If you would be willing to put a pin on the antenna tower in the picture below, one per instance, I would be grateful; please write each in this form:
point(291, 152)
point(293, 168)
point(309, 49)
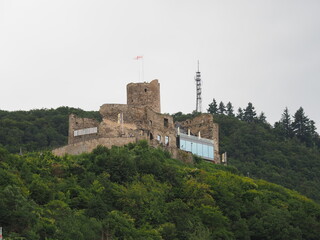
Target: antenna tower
point(198, 84)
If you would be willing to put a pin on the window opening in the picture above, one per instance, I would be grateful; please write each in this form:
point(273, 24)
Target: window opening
point(166, 140)
point(166, 122)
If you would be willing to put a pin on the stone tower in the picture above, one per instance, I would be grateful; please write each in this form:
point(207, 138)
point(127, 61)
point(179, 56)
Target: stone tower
point(144, 95)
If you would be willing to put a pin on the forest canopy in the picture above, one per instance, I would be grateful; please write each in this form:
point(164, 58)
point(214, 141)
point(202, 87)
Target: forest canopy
point(37, 129)
point(139, 192)
point(287, 153)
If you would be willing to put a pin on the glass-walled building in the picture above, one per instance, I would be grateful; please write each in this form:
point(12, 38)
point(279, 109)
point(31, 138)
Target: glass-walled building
point(199, 146)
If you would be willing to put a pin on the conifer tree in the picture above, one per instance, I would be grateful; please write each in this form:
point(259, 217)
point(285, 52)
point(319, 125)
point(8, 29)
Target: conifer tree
point(314, 135)
point(222, 108)
point(240, 114)
point(213, 107)
point(262, 118)
point(249, 113)
point(301, 126)
point(286, 124)
point(230, 109)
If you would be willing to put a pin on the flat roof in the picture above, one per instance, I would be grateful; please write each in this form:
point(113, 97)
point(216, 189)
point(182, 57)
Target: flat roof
point(196, 139)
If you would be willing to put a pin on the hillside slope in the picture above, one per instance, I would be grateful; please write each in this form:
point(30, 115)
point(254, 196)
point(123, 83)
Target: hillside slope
point(255, 148)
point(138, 192)
point(258, 151)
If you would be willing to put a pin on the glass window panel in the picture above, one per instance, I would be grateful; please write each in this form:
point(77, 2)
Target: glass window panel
point(205, 150)
point(199, 150)
point(211, 152)
point(194, 148)
point(183, 144)
point(188, 146)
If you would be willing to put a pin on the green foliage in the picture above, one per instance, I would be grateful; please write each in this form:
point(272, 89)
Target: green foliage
point(37, 129)
point(240, 114)
point(284, 126)
point(197, 159)
point(179, 116)
point(138, 192)
point(222, 108)
point(259, 151)
point(229, 110)
point(213, 107)
point(304, 129)
point(117, 194)
point(249, 114)
point(288, 154)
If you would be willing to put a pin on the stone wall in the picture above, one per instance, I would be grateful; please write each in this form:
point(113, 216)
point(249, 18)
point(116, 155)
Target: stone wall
point(144, 95)
point(161, 127)
point(118, 112)
point(183, 156)
point(76, 123)
point(111, 111)
point(88, 146)
point(108, 128)
point(136, 124)
point(207, 128)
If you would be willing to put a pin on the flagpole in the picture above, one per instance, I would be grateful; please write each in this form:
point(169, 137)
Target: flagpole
point(142, 63)
point(139, 71)
point(140, 67)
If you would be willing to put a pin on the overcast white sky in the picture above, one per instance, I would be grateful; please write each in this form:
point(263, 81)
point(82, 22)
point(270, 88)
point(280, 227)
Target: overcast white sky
point(80, 53)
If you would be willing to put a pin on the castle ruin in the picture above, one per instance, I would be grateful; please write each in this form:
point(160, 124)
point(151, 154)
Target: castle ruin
point(141, 119)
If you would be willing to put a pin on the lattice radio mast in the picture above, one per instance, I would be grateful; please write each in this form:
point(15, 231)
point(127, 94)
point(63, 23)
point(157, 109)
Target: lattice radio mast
point(198, 84)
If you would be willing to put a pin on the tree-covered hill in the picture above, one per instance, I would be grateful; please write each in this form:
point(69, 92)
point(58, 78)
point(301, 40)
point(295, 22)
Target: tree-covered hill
point(37, 129)
point(137, 192)
point(287, 153)
point(256, 151)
